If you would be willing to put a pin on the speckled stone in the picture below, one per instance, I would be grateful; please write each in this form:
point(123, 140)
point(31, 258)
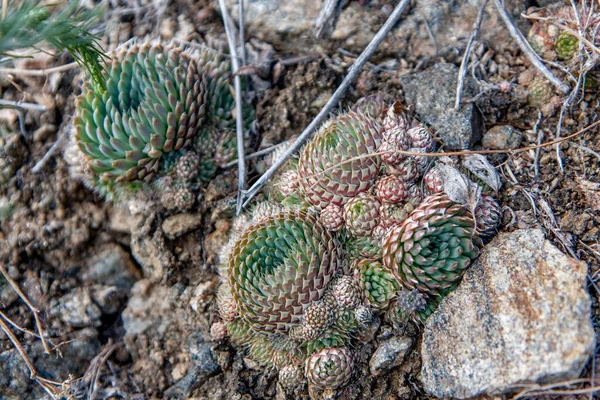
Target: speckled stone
point(521, 314)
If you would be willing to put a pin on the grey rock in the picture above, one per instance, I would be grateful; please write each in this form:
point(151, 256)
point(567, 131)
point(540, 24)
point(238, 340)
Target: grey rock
point(151, 252)
point(112, 266)
point(433, 93)
point(204, 365)
point(180, 224)
point(521, 314)
point(110, 299)
point(389, 354)
point(502, 137)
point(77, 351)
point(76, 309)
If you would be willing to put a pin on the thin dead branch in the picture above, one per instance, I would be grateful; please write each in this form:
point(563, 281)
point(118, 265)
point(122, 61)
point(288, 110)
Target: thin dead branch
point(38, 72)
point(465, 61)
point(49, 386)
point(239, 117)
point(259, 153)
point(51, 151)
point(526, 48)
point(22, 106)
point(333, 101)
point(327, 17)
point(34, 310)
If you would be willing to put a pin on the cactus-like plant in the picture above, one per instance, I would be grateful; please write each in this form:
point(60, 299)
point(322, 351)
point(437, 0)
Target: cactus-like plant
point(431, 249)
point(379, 284)
point(153, 104)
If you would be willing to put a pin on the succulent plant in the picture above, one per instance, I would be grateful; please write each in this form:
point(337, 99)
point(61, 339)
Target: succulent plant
point(407, 170)
point(152, 105)
point(551, 33)
point(347, 292)
point(420, 138)
point(332, 167)
point(279, 267)
point(301, 286)
point(332, 217)
point(160, 100)
point(395, 214)
point(391, 189)
point(431, 249)
point(218, 331)
point(374, 106)
point(396, 119)
point(540, 92)
point(389, 154)
point(411, 306)
point(379, 284)
point(188, 165)
point(433, 181)
point(288, 183)
point(291, 376)
point(330, 368)
point(364, 246)
point(566, 45)
point(361, 215)
point(487, 215)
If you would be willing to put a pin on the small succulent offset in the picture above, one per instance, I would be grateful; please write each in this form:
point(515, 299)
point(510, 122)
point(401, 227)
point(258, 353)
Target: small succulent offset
point(163, 113)
point(370, 231)
point(555, 30)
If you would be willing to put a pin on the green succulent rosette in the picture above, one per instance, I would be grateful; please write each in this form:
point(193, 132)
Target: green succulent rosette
point(431, 249)
point(278, 267)
point(153, 104)
point(379, 284)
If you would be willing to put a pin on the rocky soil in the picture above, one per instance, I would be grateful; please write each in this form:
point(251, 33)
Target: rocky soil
point(127, 294)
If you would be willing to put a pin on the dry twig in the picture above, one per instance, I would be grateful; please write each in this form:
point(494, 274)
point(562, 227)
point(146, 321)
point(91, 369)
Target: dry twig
point(22, 106)
point(465, 61)
point(237, 82)
point(327, 17)
point(333, 101)
point(55, 146)
point(34, 310)
point(38, 72)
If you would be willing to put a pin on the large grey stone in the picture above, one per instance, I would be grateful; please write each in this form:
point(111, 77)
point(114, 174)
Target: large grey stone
point(433, 92)
point(521, 314)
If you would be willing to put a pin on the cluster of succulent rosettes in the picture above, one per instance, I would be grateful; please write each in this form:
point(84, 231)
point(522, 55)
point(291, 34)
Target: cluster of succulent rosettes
point(285, 295)
point(365, 235)
point(166, 111)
